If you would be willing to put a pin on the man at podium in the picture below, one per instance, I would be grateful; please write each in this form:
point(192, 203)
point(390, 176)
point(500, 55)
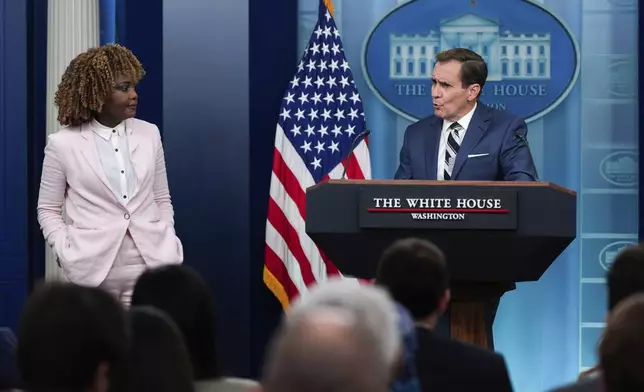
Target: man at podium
point(465, 140)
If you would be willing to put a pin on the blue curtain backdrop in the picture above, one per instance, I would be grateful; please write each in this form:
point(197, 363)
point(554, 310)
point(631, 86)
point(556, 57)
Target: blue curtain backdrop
point(14, 115)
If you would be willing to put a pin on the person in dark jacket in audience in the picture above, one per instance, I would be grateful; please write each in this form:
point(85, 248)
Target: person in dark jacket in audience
point(415, 273)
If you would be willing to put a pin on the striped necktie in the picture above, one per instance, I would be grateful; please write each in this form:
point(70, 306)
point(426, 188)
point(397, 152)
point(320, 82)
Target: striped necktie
point(451, 149)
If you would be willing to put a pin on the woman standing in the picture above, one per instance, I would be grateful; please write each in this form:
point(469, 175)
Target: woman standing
point(108, 170)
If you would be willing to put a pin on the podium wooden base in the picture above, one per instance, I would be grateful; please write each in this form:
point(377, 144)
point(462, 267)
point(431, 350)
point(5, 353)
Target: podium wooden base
point(467, 323)
point(467, 309)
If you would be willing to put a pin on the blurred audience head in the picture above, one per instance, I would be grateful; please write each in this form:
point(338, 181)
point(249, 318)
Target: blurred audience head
point(414, 271)
point(626, 275)
point(621, 349)
point(159, 359)
point(371, 304)
point(338, 337)
point(72, 339)
point(183, 295)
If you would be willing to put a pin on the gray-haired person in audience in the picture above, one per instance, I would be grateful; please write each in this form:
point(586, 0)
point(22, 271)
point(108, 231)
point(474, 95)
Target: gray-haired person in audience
point(338, 337)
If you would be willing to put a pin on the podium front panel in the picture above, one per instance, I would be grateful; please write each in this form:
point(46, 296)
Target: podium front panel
point(455, 208)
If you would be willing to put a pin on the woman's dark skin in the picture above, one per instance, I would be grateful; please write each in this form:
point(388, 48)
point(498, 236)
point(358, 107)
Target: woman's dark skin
point(121, 105)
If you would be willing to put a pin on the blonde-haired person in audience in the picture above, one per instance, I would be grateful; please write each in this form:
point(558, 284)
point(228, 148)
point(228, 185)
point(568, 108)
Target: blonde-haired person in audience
point(183, 295)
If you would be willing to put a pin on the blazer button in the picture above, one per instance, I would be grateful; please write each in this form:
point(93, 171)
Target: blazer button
point(126, 216)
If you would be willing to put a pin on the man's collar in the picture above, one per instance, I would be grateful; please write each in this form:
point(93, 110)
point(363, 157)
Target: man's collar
point(464, 121)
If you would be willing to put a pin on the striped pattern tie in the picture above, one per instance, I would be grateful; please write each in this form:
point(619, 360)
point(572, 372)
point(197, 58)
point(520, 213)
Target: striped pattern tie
point(451, 149)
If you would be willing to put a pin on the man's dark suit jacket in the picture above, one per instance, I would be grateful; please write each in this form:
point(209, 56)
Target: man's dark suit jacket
point(451, 366)
point(494, 149)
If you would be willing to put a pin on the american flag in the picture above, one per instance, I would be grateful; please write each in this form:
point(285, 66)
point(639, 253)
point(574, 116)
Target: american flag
point(320, 117)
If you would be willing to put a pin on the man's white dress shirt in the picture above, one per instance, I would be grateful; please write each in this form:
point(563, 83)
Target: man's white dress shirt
point(463, 122)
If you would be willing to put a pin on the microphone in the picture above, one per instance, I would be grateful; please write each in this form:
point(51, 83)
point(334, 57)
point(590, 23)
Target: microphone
point(357, 140)
point(523, 138)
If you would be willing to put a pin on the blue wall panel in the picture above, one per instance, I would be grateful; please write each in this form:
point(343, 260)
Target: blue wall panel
point(37, 128)
point(138, 25)
point(273, 62)
point(207, 144)
point(609, 155)
point(107, 17)
point(13, 160)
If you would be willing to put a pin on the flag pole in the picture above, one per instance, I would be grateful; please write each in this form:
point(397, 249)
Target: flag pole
point(329, 6)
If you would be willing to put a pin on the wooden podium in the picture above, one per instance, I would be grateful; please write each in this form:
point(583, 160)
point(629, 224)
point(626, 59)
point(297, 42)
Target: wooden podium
point(493, 233)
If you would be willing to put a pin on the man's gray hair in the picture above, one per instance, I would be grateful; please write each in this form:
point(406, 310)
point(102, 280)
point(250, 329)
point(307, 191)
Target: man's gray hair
point(338, 337)
point(371, 305)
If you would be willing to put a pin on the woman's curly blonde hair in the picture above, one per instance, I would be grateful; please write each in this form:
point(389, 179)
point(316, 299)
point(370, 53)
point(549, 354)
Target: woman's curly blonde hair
point(90, 79)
